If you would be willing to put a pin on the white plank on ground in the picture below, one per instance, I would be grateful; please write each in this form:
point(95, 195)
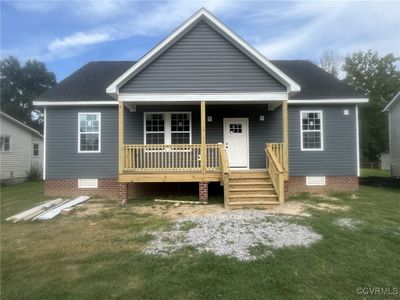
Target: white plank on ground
point(36, 216)
point(57, 210)
point(18, 217)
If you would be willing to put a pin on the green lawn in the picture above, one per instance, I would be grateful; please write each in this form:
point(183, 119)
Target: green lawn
point(99, 257)
point(374, 173)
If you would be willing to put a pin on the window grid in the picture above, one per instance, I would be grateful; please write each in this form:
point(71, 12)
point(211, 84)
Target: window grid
point(89, 140)
point(311, 130)
point(167, 128)
point(180, 128)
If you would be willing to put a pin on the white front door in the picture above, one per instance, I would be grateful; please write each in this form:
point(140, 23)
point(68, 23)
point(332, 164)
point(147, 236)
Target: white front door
point(236, 141)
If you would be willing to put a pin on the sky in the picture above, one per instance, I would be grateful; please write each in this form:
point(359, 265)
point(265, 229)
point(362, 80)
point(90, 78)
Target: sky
point(67, 34)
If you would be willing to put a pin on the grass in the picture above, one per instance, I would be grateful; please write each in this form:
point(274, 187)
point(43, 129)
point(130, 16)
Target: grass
point(374, 173)
point(100, 256)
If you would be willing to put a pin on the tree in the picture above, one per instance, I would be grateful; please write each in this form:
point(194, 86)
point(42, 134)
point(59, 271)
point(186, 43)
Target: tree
point(377, 78)
point(330, 62)
point(20, 86)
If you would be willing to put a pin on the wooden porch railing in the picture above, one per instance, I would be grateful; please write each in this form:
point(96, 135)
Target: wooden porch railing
point(177, 157)
point(279, 150)
point(275, 161)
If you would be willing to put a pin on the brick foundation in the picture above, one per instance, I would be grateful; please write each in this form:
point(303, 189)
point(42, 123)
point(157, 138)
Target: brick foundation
point(297, 184)
point(203, 191)
point(107, 188)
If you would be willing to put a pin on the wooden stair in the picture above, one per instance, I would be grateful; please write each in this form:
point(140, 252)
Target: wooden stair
point(251, 189)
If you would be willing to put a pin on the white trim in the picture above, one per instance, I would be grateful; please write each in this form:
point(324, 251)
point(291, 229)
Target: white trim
point(88, 183)
point(358, 142)
point(391, 103)
point(113, 88)
point(187, 97)
point(79, 131)
point(167, 125)
point(225, 120)
point(44, 141)
point(329, 101)
point(73, 103)
point(313, 180)
point(321, 130)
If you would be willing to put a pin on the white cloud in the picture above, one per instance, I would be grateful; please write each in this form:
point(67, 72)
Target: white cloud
point(344, 26)
point(78, 39)
point(155, 20)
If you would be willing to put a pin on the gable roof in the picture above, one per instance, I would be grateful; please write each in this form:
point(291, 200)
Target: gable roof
point(20, 124)
point(88, 84)
point(315, 82)
point(392, 102)
point(206, 16)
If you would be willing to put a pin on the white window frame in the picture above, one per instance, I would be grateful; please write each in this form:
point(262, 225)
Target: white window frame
point(79, 132)
point(321, 130)
point(9, 142)
point(33, 150)
point(167, 125)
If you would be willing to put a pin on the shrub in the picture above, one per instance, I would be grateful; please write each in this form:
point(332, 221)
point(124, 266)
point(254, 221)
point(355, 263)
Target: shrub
point(34, 174)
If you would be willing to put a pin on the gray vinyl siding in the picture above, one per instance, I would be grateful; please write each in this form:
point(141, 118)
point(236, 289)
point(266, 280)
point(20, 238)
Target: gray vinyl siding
point(202, 61)
point(63, 159)
point(394, 136)
point(339, 156)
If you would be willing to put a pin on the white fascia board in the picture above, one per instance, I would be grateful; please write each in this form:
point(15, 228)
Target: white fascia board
point(329, 101)
point(74, 103)
point(113, 88)
point(391, 103)
point(203, 97)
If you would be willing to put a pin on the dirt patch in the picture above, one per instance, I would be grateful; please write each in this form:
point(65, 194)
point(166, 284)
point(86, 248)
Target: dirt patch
point(91, 209)
point(173, 212)
point(328, 207)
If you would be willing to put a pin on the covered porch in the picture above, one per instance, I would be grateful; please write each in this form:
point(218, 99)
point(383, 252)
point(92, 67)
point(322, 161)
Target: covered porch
point(207, 154)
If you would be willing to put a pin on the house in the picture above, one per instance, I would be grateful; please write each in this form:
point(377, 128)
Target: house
point(21, 147)
point(393, 111)
point(205, 107)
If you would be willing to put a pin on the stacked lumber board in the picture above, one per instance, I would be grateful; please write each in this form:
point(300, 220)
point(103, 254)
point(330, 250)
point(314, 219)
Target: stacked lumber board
point(47, 210)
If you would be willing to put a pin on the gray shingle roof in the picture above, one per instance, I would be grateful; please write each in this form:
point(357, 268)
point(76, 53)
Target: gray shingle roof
point(89, 83)
point(315, 82)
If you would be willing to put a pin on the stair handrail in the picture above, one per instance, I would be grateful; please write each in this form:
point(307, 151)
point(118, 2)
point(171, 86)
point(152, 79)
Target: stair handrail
point(276, 172)
point(225, 172)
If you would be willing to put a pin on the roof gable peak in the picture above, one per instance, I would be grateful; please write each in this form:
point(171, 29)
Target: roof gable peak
point(205, 15)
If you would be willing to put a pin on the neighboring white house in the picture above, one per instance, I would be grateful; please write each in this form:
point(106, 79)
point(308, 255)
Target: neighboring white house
point(393, 110)
point(21, 147)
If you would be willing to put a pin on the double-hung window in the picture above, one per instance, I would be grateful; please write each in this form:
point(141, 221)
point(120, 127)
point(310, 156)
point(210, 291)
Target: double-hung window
point(89, 139)
point(35, 150)
point(5, 143)
point(167, 128)
point(311, 131)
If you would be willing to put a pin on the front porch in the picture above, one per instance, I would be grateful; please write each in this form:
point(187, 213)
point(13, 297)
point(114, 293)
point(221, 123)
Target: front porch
point(244, 186)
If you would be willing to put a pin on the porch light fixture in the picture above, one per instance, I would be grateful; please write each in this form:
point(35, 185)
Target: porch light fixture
point(262, 118)
point(209, 118)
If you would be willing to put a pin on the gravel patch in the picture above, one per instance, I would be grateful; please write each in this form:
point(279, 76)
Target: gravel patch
point(348, 223)
point(232, 234)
